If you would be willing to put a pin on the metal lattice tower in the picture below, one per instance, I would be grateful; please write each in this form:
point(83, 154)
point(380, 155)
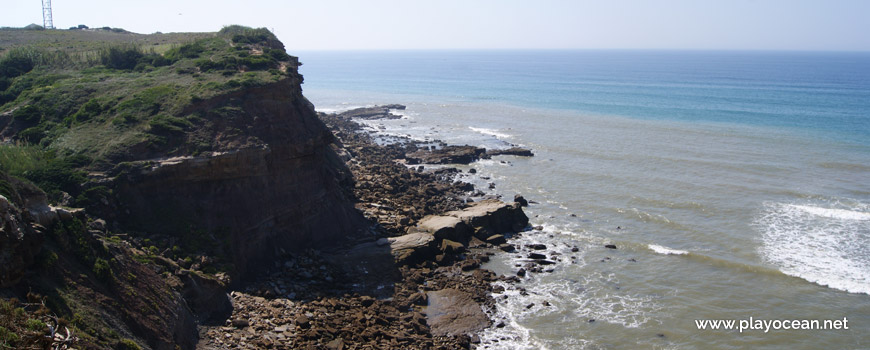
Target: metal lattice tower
point(47, 21)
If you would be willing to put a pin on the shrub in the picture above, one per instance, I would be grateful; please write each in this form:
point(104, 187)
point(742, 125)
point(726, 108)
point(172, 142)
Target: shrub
point(246, 35)
point(16, 63)
point(278, 55)
point(59, 175)
point(32, 135)
point(102, 270)
point(159, 60)
point(205, 64)
point(7, 336)
point(121, 57)
point(35, 325)
point(47, 258)
point(192, 50)
point(27, 115)
point(5, 83)
point(92, 196)
point(168, 124)
point(90, 109)
point(127, 344)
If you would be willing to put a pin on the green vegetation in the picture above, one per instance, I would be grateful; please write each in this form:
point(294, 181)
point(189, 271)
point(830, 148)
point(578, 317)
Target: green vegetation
point(86, 99)
point(34, 325)
point(127, 344)
point(102, 270)
point(22, 325)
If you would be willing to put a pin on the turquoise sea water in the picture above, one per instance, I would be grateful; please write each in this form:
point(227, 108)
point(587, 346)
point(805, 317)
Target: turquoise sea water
point(735, 184)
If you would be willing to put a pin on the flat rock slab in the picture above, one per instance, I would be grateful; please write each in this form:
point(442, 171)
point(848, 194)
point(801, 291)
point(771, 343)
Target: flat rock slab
point(374, 113)
point(445, 227)
point(495, 215)
point(446, 155)
point(413, 247)
point(454, 312)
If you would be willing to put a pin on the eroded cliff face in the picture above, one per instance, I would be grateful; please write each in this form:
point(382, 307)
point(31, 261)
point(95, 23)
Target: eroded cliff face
point(269, 184)
point(19, 241)
point(61, 259)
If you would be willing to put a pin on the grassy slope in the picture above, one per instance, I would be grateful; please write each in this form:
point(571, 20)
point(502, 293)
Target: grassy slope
point(75, 102)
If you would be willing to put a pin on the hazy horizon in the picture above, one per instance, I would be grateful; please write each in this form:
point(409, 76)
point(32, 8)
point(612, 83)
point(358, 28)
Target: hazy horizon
point(740, 25)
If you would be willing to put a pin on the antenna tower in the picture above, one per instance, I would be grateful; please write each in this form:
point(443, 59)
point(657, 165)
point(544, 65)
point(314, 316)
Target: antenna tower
point(47, 21)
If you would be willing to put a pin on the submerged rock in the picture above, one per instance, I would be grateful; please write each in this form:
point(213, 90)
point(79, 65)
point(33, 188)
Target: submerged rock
point(447, 155)
point(374, 113)
point(513, 151)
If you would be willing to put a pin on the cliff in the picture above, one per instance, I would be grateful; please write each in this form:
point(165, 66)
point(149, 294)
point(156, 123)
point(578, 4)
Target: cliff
point(195, 167)
point(278, 193)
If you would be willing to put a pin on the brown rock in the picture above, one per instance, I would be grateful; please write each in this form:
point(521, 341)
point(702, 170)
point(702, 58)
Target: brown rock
point(454, 312)
point(514, 151)
point(496, 239)
point(303, 322)
point(412, 248)
point(451, 247)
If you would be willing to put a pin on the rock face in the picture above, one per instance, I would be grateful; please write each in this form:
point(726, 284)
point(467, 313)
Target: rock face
point(206, 297)
point(280, 192)
point(19, 243)
point(21, 205)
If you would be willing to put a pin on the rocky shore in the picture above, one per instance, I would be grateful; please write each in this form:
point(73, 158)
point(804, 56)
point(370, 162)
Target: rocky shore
point(413, 282)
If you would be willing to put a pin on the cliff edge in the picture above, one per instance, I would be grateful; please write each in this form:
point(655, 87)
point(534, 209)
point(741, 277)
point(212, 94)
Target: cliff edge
point(165, 169)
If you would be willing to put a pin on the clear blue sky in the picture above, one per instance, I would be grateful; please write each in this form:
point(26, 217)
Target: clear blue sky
point(488, 24)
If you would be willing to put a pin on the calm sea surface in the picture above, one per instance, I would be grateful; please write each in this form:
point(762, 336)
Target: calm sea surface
point(734, 184)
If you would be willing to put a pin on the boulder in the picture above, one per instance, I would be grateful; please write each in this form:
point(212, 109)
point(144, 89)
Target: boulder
point(445, 227)
point(492, 217)
point(507, 247)
point(496, 240)
point(521, 200)
point(206, 297)
point(451, 247)
point(412, 248)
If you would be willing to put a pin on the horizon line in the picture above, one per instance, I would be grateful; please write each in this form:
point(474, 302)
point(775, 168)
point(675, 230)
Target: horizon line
point(584, 49)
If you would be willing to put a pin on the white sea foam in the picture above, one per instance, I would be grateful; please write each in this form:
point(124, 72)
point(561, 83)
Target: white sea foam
point(829, 246)
point(841, 214)
point(665, 250)
point(490, 132)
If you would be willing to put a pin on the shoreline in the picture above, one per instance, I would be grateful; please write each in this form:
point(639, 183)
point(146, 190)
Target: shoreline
point(369, 292)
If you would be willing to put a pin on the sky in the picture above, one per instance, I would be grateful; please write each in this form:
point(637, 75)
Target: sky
point(831, 25)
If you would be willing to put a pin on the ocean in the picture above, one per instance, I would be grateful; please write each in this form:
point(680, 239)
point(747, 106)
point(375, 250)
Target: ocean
point(735, 185)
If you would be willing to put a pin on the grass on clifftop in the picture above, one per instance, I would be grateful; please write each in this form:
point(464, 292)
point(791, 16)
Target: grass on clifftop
point(104, 94)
